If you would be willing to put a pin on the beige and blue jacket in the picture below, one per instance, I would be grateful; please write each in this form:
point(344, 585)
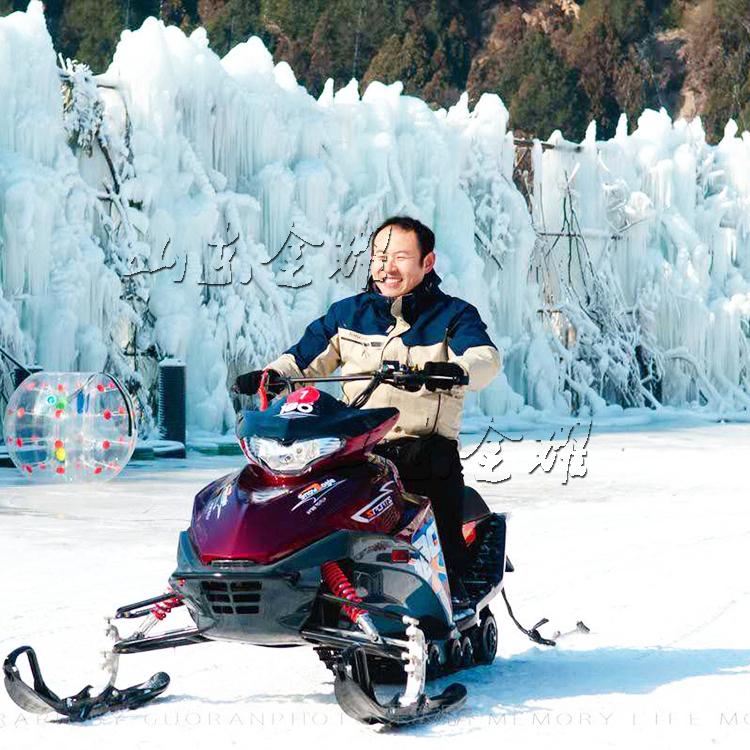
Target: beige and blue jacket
point(358, 333)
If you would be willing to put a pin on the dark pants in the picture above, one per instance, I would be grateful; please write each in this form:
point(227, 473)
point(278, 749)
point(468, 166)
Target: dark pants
point(431, 466)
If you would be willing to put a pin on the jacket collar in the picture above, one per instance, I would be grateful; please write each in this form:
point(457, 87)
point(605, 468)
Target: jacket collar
point(408, 306)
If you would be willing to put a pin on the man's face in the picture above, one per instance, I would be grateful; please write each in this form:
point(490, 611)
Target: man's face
point(397, 265)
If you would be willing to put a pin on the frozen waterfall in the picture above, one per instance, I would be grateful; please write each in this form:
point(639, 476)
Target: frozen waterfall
point(184, 205)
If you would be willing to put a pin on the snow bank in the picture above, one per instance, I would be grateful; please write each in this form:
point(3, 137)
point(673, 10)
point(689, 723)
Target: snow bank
point(150, 211)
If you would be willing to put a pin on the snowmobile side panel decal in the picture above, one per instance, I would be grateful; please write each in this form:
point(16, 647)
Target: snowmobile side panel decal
point(376, 507)
point(430, 564)
point(218, 502)
point(316, 492)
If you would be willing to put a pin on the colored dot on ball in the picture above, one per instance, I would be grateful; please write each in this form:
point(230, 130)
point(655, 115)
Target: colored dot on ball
point(100, 388)
point(19, 442)
point(121, 410)
point(61, 403)
point(21, 411)
point(27, 468)
point(60, 454)
point(98, 470)
point(59, 386)
point(42, 466)
point(105, 444)
point(60, 470)
point(58, 443)
point(107, 414)
point(58, 413)
point(51, 399)
point(30, 386)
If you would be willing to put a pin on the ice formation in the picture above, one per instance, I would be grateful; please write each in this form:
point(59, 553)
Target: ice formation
point(183, 205)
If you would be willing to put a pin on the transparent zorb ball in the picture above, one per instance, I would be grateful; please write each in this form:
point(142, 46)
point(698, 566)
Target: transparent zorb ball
point(70, 427)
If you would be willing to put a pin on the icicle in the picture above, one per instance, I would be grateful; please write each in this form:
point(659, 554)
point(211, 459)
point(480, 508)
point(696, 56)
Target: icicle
point(635, 257)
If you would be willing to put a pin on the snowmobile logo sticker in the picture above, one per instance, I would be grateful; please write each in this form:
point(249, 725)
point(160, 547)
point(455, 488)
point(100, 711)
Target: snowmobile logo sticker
point(293, 414)
point(430, 565)
point(217, 503)
point(300, 403)
point(376, 507)
point(308, 395)
point(316, 492)
point(300, 410)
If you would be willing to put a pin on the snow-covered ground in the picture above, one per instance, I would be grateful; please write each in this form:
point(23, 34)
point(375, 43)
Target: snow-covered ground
point(650, 549)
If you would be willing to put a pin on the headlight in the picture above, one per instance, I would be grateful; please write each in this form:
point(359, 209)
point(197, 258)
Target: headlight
point(290, 459)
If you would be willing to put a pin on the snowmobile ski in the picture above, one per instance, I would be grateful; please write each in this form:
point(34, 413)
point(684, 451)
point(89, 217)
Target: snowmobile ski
point(356, 697)
point(81, 706)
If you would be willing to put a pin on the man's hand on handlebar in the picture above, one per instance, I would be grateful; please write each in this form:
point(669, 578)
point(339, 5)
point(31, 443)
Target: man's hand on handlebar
point(433, 376)
point(249, 383)
point(444, 375)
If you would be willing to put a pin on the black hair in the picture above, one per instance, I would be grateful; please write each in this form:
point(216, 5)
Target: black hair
point(425, 235)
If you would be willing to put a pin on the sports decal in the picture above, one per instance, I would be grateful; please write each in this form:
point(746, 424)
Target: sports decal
point(316, 492)
point(217, 502)
point(300, 403)
point(378, 506)
point(430, 564)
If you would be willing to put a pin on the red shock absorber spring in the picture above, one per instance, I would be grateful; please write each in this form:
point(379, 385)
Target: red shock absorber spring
point(161, 609)
point(336, 580)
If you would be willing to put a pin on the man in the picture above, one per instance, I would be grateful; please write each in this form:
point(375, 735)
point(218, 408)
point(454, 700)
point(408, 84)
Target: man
point(403, 315)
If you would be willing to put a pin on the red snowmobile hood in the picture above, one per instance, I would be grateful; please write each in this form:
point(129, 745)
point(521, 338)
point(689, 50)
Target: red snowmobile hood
point(240, 517)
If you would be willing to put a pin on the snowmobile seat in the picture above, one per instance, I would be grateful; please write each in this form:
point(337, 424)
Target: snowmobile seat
point(474, 506)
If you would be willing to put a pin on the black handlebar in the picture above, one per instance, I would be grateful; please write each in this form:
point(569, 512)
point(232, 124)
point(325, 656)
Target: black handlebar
point(391, 373)
point(394, 374)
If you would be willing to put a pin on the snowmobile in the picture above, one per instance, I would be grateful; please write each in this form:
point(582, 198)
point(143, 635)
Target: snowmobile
point(315, 542)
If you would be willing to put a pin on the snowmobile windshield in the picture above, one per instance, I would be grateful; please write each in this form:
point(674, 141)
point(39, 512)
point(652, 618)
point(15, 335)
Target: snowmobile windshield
point(318, 415)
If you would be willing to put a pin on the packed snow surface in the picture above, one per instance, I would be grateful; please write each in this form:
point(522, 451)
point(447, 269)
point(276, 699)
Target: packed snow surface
point(649, 549)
